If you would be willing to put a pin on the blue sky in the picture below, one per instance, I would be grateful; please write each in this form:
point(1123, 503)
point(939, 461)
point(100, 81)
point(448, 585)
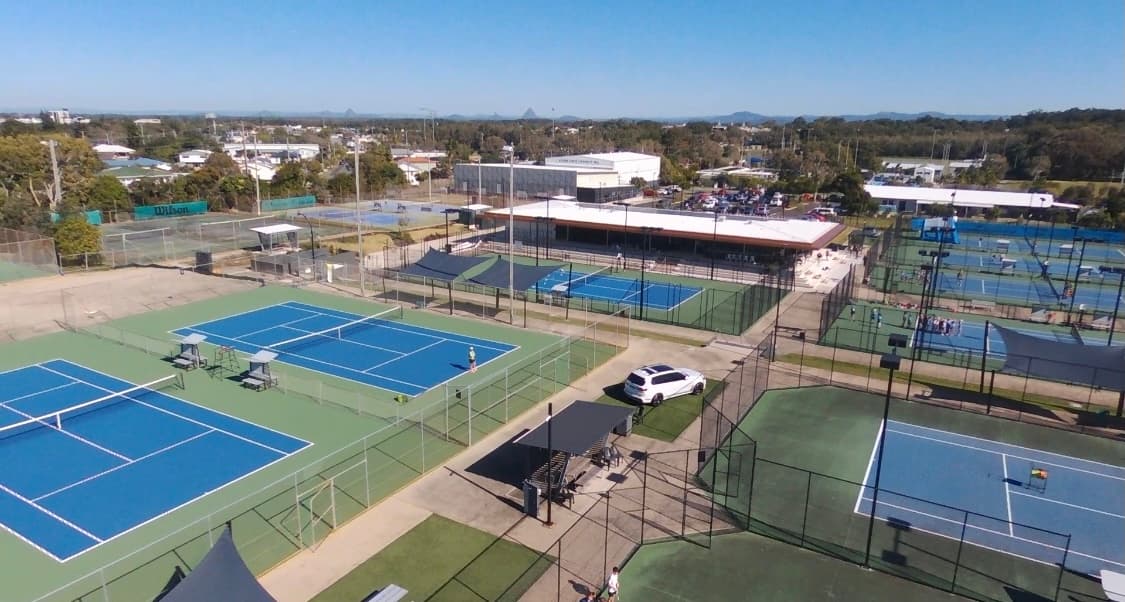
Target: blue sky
point(585, 58)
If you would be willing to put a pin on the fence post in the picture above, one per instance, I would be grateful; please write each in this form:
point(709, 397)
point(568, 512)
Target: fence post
point(470, 402)
point(805, 518)
point(1062, 567)
point(960, 545)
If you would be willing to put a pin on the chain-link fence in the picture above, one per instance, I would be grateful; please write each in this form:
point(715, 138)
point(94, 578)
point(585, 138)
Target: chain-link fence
point(300, 510)
point(26, 255)
point(726, 486)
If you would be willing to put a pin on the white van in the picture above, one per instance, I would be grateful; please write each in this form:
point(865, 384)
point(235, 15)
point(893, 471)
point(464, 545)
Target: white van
point(825, 211)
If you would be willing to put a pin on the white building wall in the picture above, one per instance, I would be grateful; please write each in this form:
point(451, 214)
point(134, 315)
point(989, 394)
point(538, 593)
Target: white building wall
point(626, 165)
point(601, 180)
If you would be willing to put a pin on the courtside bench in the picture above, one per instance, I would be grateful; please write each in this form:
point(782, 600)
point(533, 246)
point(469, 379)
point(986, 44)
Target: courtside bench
point(391, 593)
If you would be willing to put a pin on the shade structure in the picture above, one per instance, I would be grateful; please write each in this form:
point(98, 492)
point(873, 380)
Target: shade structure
point(221, 575)
point(523, 276)
point(1089, 365)
point(442, 266)
point(577, 427)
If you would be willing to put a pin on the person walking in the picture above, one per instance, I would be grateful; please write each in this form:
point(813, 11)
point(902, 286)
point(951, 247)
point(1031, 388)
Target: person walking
point(472, 359)
point(853, 312)
point(612, 585)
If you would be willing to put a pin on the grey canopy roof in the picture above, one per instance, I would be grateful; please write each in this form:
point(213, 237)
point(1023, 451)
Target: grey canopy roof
point(524, 277)
point(576, 428)
point(1089, 365)
point(221, 575)
point(442, 266)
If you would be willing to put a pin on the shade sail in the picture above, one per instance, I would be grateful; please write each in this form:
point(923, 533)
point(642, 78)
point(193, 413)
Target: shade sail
point(1089, 365)
point(442, 266)
point(221, 575)
point(523, 277)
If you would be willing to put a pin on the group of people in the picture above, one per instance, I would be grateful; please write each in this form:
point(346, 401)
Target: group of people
point(926, 323)
point(939, 325)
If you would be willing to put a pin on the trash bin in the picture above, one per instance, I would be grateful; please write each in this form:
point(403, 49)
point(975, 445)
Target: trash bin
point(530, 499)
point(625, 428)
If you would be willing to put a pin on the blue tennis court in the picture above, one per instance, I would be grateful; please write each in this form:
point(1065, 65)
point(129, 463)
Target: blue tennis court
point(927, 474)
point(657, 295)
point(86, 457)
point(381, 351)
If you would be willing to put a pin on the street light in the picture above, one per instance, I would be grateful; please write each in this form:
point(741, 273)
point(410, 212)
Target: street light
point(647, 230)
point(312, 242)
point(890, 361)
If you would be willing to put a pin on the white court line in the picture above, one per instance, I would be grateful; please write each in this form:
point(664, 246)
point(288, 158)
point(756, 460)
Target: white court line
point(50, 514)
point(40, 392)
point(1061, 503)
point(344, 369)
point(870, 461)
point(1120, 251)
point(1012, 445)
point(414, 328)
point(989, 451)
point(70, 434)
point(120, 466)
point(1007, 493)
point(1068, 552)
point(402, 355)
point(185, 418)
point(328, 337)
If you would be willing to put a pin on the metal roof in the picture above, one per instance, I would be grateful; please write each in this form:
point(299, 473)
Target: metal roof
point(961, 197)
point(743, 229)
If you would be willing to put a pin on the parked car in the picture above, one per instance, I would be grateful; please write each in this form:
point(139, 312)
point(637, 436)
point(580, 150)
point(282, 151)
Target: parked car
point(761, 210)
point(825, 211)
point(654, 383)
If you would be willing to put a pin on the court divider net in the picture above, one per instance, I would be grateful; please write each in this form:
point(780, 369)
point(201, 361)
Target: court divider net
point(394, 314)
point(58, 418)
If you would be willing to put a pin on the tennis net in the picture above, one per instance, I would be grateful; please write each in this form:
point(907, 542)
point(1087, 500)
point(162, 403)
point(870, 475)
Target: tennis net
point(340, 332)
point(585, 278)
point(57, 419)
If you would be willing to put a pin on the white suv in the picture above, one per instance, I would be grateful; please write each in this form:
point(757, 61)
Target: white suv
point(653, 384)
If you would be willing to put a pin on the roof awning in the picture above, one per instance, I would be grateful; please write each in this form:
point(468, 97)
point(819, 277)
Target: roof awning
point(276, 229)
point(577, 427)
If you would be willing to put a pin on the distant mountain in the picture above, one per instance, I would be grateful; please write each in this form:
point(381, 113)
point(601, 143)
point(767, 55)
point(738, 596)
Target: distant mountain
point(738, 117)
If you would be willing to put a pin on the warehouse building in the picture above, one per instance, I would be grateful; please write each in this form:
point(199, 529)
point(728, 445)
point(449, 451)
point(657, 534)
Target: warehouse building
point(595, 178)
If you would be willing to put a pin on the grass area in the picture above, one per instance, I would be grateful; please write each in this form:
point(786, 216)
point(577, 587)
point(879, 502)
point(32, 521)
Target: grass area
point(668, 420)
point(443, 560)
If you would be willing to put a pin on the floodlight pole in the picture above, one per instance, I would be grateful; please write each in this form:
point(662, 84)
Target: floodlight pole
point(358, 226)
point(890, 361)
point(550, 457)
point(647, 230)
point(512, 235)
point(1116, 308)
point(312, 242)
point(1077, 273)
